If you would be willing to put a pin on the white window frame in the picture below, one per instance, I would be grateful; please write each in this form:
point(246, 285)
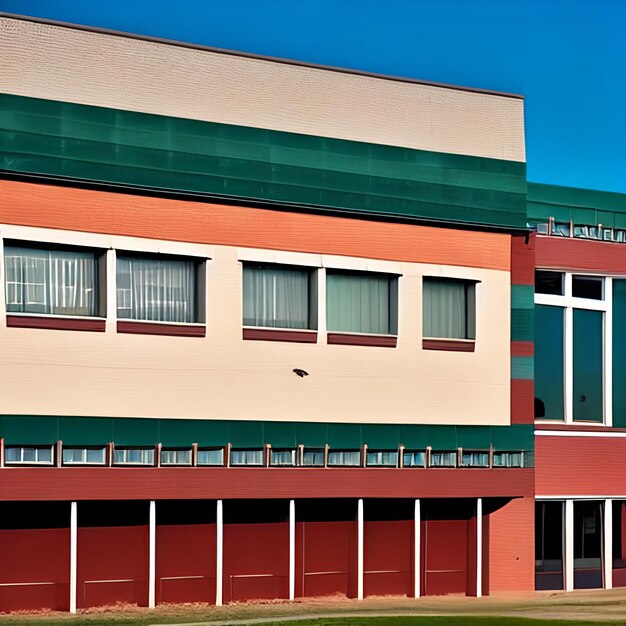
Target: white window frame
point(291, 451)
point(126, 449)
point(84, 460)
point(166, 451)
point(568, 303)
point(221, 464)
point(35, 462)
point(380, 454)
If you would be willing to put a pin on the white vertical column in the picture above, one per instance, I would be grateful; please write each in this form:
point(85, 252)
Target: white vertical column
point(608, 351)
point(292, 550)
point(608, 544)
point(73, 555)
point(219, 552)
point(569, 545)
point(321, 304)
point(152, 557)
point(568, 356)
point(360, 550)
point(479, 547)
point(3, 307)
point(111, 291)
point(417, 547)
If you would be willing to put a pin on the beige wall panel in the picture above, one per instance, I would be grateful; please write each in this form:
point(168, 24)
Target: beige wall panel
point(223, 377)
point(58, 63)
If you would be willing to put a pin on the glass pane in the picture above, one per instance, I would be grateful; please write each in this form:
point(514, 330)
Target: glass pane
point(476, 459)
point(211, 457)
point(587, 545)
point(414, 459)
point(44, 455)
point(549, 376)
point(549, 282)
point(358, 303)
point(588, 287)
point(588, 369)
point(382, 459)
point(275, 296)
point(12, 455)
point(96, 455)
point(28, 455)
point(350, 458)
point(246, 457)
point(443, 459)
point(313, 458)
point(176, 457)
point(73, 455)
point(619, 543)
point(445, 309)
point(548, 545)
point(156, 290)
point(283, 457)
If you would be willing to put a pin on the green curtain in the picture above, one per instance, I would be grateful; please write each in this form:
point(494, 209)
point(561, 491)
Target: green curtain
point(445, 309)
point(358, 303)
point(275, 296)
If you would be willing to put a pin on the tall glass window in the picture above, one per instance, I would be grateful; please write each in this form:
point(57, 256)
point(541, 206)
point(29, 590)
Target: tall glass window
point(588, 363)
point(588, 542)
point(548, 545)
point(549, 361)
point(52, 282)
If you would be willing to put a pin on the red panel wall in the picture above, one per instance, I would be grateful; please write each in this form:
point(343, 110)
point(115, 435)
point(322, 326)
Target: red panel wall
point(578, 254)
point(112, 566)
point(326, 558)
point(256, 561)
point(388, 557)
point(185, 563)
point(512, 547)
point(580, 465)
point(40, 557)
point(445, 556)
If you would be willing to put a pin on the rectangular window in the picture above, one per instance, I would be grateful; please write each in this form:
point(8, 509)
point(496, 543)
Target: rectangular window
point(443, 459)
point(84, 456)
point(157, 289)
point(449, 308)
point(475, 459)
point(361, 302)
point(344, 458)
point(278, 296)
point(312, 457)
point(211, 457)
point(414, 459)
point(51, 282)
point(133, 456)
point(549, 363)
point(588, 543)
point(591, 287)
point(28, 455)
point(508, 459)
point(548, 546)
point(382, 459)
point(246, 457)
point(282, 458)
point(176, 457)
point(588, 365)
point(549, 282)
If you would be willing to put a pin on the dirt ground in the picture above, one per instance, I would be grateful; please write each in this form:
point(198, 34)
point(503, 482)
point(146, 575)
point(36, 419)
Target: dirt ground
point(596, 606)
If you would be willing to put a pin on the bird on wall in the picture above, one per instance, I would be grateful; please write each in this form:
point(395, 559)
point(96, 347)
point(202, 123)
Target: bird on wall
point(299, 372)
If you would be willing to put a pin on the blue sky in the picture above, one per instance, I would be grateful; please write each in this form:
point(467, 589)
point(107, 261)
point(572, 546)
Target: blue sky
point(568, 57)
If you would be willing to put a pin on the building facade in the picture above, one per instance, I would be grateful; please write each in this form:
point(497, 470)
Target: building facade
point(268, 331)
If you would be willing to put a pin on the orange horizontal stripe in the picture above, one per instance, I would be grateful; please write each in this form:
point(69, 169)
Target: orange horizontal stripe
point(67, 208)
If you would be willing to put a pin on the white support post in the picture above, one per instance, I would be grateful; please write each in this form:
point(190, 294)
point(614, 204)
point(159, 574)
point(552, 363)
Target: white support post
point(568, 348)
point(479, 548)
point(219, 552)
point(292, 550)
point(360, 550)
point(569, 545)
point(152, 557)
point(608, 351)
point(73, 554)
point(417, 547)
point(608, 544)
point(111, 291)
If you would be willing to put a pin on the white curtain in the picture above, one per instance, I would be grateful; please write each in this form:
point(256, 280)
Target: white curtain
point(52, 282)
point(445, 309)
point(275, 297)
point(246, 457)
point(358, 303)
point(156, 290)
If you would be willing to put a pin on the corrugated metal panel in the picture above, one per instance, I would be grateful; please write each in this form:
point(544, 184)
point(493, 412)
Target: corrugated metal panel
point(85, 431)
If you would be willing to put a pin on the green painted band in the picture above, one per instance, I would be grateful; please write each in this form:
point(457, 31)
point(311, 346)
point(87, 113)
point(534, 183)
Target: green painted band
point(522, 297)
point(522, 368)
point(522, 324)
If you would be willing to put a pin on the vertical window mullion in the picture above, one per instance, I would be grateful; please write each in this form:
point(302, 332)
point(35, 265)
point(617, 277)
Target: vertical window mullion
point(608, 352)
point(568, 329)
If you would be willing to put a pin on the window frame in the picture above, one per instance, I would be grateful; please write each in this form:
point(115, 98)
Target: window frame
point(84, 449)
point(368, 452)
point(257, 450)
point(568, 303)
point(424, 454)
point(49, 463)
point(126, 449)
point(169, 464)
point(344, 451)
point(210, 449)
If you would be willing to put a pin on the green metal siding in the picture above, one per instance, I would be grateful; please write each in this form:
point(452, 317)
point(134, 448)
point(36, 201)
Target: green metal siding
point(619, 353)
point(151, 151)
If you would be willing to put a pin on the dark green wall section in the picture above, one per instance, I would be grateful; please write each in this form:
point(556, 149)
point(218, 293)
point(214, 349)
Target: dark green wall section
point(619, 353)
point(588, 365)
point(122, 147)
point(40, 430)
point(582, 206)
point(549, 385)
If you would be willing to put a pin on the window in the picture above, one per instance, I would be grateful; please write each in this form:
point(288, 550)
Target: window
point(278, 296)
point(361, 302)
point(133, 456)
point(28, 455)
point(282, 458)
point(344, 458)
point(84, 456)
point(443, 459)
point(157, 289)
point(246, 457)
point(548, 545)
point(572, 324)
point(176, 457)
point(381, 459)
point(508, 459)
point(414, 459)
point(313, 457)
point(475, 459)
point(211, 457)
point(51, 282)
point(449, 308)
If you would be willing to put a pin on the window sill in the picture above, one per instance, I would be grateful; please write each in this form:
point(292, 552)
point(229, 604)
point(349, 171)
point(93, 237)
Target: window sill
point(449, 345)
point(279, 334)
point(350, 339)
point(56, 323)
point(161, 328)
point(577, 426)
